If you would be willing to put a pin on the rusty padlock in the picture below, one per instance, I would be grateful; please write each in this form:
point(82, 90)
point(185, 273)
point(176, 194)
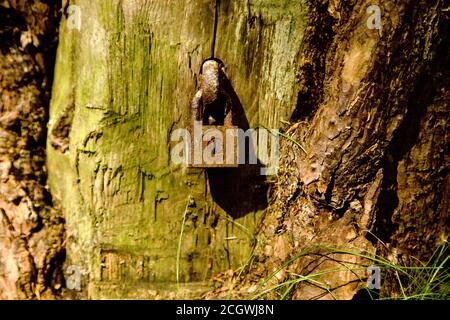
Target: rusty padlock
point(214, 138)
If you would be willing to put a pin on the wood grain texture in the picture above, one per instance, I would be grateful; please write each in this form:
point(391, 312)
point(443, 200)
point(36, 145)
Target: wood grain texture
point(131, 72)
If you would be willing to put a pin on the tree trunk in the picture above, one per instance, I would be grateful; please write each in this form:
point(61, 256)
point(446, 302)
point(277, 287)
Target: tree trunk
point(373, 116)
point(31, 224)
point(367, 100)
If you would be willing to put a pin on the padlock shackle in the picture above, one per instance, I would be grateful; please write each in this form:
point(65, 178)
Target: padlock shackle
point(220, 62)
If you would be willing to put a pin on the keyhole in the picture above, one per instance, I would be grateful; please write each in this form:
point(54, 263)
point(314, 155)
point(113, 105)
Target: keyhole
point(213, 141)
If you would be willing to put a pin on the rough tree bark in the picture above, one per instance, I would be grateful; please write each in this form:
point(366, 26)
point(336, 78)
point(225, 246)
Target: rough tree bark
point(373, 115)
point(31, 225)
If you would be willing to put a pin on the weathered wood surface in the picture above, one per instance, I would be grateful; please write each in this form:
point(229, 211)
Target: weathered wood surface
point(128, 76)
